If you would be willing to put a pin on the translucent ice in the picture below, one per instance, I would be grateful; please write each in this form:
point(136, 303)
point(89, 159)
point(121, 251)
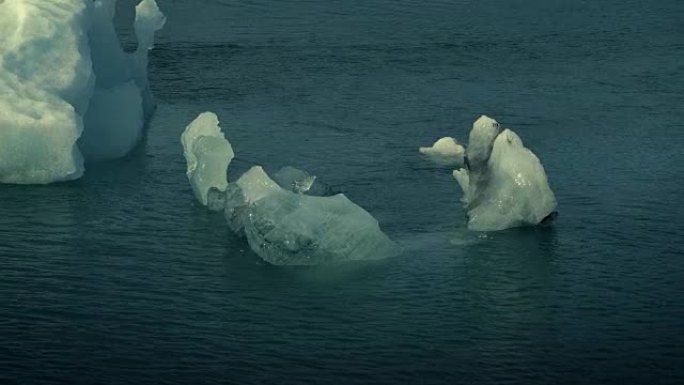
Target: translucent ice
point(62, 75)
point(294, 179)
point(283, 225)
point(301, 182)
point(207, 154)
point(504, 183)
point(463, 178)
point(445, 151)
point(286, 228)
point(114, 122)
point(122, 100)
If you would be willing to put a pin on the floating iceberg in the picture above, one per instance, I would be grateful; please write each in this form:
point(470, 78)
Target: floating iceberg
point(504, 184)
point(445, 151)
point(208, 154)
point(64, 76)
point(284, 226)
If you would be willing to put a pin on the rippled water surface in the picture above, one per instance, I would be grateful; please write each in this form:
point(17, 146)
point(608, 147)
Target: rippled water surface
point(120, 278)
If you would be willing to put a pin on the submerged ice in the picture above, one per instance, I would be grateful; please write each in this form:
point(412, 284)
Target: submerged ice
point(504, 184)
point(67, 89)
point(281, 222)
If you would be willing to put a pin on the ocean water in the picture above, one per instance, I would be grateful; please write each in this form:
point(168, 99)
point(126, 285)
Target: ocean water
point(121, 278)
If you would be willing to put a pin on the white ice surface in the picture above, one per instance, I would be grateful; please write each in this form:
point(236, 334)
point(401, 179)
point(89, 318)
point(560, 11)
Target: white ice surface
point(207, 154)
point(480, 141)
point(46, 81)
point(59, 59)
point(445, 151)
point(505, 185)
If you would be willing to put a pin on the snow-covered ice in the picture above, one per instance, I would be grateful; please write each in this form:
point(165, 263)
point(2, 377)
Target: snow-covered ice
point(445, 151)
point(64, 76)
point(504, 184)
point(283, 225)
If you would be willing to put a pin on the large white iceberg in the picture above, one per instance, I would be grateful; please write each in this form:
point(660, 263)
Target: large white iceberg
point(504, 184)
point(284, 226)
point(64, 76)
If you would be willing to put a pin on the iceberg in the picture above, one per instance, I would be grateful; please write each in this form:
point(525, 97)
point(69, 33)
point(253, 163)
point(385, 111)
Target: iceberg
point(504, 184)
point(113, 122)
point(283, 225)
point(287, 228)
point(445, 151)
point(67, 89)
point(207, 154)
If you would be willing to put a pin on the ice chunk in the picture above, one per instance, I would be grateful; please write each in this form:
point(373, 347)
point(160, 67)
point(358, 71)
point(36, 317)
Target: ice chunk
point(294, 179)
point(110, 63)
point(256, 185)
point(44, 44)
point(286, 228)
point(122, 101)
point(517, 191)
point(61, 64)
point(301, 182)
point(207, 154)
point(445, 151)
point(46, 81)
point(282, 226)
point(148, 20)
point(216, 199)
point(463, 179)
point(504, 183)
point(480, 142)
point(38, 132)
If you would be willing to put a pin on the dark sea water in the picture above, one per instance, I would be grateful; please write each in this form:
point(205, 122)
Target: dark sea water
point(121, 278)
